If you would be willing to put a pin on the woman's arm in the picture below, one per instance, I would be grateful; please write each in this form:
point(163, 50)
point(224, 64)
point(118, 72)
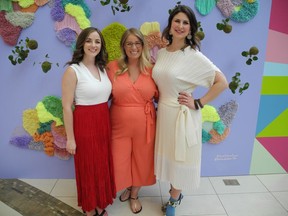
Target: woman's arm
point(219, 85)
point(69, 82)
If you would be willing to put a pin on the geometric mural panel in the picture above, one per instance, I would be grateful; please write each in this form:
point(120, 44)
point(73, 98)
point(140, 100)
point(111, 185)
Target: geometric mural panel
point(278, 148)
point(275, 85)
point(277, 51)
point(263, 162)
point(279, 23)
point(270, 107)
point(275, 69)
point(270, 152)
point(277, 128)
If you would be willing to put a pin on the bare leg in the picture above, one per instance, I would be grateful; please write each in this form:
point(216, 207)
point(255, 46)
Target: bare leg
point(135, 204)
point(91, 213)
point(174, 201)
point(125, 194)
point(175, 193)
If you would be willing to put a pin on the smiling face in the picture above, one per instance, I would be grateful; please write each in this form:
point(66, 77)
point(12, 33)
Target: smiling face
point(133, 47)
point(180, 26)
point(92, 44)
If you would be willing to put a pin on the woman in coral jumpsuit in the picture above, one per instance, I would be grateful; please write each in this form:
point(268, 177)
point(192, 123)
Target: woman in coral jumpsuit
point(132, 118)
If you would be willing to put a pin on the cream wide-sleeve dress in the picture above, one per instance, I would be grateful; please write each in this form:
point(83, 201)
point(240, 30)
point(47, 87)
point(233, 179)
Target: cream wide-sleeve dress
point(178, 128)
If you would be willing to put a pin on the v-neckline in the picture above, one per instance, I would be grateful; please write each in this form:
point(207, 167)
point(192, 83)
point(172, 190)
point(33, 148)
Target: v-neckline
point(131, 81)
point(100, 78)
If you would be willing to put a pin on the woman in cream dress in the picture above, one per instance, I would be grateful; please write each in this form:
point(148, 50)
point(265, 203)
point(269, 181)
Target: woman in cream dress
point(179, 69)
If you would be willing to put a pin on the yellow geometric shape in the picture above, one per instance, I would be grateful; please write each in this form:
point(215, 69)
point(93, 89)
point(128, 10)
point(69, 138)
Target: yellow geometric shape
point(274, 85)
point(277, 128)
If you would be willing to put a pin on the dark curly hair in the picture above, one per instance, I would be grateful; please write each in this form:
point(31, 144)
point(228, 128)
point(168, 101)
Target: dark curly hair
point(193, 42)
point(100, 60)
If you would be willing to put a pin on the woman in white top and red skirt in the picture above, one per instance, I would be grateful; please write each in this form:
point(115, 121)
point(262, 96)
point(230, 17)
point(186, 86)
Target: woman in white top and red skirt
point(86, 84)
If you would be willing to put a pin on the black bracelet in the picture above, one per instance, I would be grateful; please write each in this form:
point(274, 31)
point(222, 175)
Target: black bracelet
point(196, 105)
point(199, 103)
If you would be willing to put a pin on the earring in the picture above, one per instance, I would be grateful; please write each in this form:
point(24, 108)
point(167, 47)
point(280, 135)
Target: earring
point(189, 37)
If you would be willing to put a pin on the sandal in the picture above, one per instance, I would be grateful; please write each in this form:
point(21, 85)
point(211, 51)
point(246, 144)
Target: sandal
point(169, 208)
point(126, 192)
point(103, 213)
point(134, 203)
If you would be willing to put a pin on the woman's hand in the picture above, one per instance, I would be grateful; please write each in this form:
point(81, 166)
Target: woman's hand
point(71, 147)
point(186, 99)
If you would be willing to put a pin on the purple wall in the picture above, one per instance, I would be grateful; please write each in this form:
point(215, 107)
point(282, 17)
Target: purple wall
point(23, 86)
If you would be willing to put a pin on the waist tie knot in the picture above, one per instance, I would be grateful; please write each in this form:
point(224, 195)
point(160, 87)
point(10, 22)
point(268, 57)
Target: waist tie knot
point(185, 134)
point(150, 115)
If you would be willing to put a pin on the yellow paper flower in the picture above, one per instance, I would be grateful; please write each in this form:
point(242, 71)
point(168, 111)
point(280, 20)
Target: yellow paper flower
point(150, 27)
point(209, 113)
point(112, 35)
point(30, 121)
point(79, 14)
point(45, 116)
point(25, 3)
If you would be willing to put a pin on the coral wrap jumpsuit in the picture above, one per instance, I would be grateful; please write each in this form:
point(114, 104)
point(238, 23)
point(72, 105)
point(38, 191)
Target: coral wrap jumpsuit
point(132, 114)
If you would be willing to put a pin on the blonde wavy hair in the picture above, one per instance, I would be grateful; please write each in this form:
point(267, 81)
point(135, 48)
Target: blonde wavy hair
point(144, 60)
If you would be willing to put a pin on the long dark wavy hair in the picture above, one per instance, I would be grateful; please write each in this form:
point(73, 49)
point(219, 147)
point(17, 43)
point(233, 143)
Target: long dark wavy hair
point(193, 42)
point(78, 54)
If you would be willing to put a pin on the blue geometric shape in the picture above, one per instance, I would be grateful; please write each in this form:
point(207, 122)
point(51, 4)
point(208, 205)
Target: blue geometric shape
point(270, 107)
point(275, 69)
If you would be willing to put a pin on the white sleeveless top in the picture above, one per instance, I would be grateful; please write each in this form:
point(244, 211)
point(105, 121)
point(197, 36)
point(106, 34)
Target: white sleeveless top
point(89, 90)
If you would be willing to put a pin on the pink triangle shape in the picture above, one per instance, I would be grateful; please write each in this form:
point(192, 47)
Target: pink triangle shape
point(278, 148)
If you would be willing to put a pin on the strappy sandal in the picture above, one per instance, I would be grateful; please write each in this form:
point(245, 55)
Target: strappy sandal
point(172, 205)
point(103, 213)
point(126, 191)
point(134, 203)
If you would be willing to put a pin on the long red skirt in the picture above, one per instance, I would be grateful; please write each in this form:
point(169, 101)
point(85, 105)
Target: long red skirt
point(93, 158)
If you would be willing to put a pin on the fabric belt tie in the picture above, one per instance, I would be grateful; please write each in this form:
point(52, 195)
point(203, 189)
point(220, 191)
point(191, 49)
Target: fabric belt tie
point(185, 134)
point(150, 115)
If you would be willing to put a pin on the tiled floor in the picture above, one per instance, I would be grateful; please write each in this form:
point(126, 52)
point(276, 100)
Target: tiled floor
point(256, 195)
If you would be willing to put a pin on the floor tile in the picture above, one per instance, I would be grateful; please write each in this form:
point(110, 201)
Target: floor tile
point(282, 197)
point(256, 195)
point(6, 210)
point(153, 190)
point(277, 182)
point(31, 201)
point(199, 205)
point(205, 215)
point(45, 185)
point(71, 201)
point(204, 188)
point(151, 206)
point(65, 188)
point(252, 204)
point(248, 184)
